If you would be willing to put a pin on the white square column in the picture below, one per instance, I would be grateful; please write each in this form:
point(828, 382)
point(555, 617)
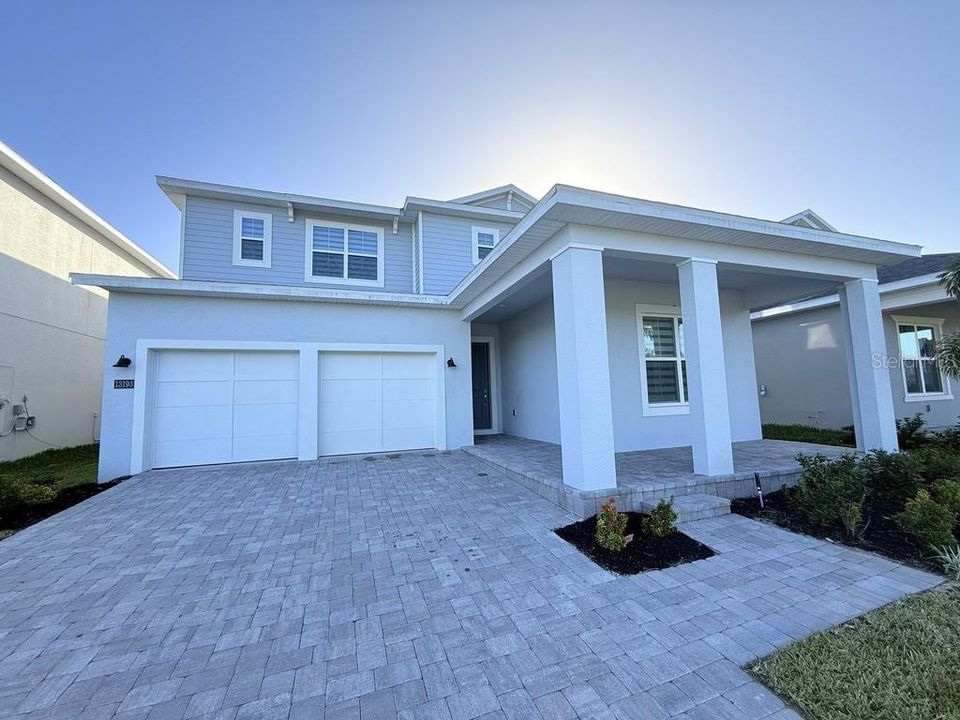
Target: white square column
point(871, 398)
point(583, 370)
point(706, 368)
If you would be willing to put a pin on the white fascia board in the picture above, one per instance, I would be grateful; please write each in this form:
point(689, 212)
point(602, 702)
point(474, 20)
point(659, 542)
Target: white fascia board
point(203, 288)
point(31, 175)
point(920, 290)
point(174, 187)
point(680, 213)
point(440, 207)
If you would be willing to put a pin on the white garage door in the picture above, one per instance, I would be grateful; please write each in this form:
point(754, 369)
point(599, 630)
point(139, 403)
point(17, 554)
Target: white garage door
point(219, 407)
point(376, 402)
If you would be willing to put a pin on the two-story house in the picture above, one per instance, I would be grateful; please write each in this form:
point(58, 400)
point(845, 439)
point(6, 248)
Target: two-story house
point(302, 327)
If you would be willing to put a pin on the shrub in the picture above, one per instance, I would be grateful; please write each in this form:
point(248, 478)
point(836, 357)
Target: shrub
point(936, 461)
point(927, 520)
point(611, 525)
point(947, 493)
point(16, 493)
point(661, 520)
point(910, 432)
point(851, 518)
point(890, 478)
point(827, 490)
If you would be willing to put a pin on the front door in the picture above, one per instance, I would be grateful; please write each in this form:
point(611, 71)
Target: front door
point(480, 358)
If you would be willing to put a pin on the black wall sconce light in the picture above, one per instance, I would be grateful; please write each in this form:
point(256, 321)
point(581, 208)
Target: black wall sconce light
point(451, 363)
point(123, 362)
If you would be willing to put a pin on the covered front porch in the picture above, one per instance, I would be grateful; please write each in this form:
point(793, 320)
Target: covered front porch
point(648, 475)
point(617, 331)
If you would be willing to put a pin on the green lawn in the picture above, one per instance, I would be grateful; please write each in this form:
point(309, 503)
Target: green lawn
point(901, 662)
point(41, 485)
point(70, 466)
point(807, 433)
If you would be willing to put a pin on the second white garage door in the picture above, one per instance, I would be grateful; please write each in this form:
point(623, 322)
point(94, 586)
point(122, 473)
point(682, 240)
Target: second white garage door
point(376, 402)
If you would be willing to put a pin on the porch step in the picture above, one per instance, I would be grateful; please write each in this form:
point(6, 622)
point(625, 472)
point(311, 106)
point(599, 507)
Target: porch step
point(693, 507)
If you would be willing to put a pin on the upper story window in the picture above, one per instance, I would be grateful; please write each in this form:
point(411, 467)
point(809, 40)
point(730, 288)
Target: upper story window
point(344, 254)
point(917, 339)
point(663, 364)
point(252, 238)
point(483, 241)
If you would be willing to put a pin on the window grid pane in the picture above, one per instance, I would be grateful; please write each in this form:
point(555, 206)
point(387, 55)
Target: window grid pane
point(932, 382)
point(361, 267)
point(362, 243)
point(482, 252)
point(327, 264)
point(662, 385)
point(251, 249)
point(485, 239)
point(251, 228)
point(327, 238)
point(659, 337)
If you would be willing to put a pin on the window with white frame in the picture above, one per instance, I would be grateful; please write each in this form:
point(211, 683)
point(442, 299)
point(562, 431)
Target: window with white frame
point(346, 254)
point(917, 339)
point(484, 240)
point(663, 365)
point(252, 234)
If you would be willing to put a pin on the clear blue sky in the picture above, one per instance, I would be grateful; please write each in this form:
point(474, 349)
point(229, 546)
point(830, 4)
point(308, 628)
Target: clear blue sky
point(760, 108)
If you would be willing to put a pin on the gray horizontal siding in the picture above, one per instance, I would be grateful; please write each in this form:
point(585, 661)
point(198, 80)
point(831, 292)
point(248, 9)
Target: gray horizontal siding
point(208, 248)
point(448, 250)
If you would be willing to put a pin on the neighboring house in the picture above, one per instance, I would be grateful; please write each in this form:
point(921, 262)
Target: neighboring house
point(801, 356)
point(303, 327)
point(51, 332)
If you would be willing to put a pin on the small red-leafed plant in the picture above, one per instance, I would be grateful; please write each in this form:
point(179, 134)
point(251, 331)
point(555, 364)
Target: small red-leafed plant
point(611, 527)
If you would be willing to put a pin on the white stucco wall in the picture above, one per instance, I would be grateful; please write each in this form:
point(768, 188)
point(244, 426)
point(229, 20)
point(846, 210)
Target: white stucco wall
point(51, 333)
point(801, 359)
point(529, 371)
point(151, 317)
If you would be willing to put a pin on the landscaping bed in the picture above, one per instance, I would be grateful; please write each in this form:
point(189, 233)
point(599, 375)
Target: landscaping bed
point(36, 487)
point(883, 535)
point(809, 434)
point(645, 552)
point(904, 505)
point(900, 662)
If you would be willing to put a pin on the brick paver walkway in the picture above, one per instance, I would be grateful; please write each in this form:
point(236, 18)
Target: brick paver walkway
point(418, 586)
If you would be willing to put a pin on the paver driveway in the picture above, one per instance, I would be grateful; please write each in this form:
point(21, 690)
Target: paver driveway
point(419, 585)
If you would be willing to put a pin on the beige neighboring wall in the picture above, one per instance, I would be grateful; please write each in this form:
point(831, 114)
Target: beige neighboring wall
point(51, 332)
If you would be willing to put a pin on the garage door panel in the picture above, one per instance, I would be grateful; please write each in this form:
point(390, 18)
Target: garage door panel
point(350, 391)
point(217, 407)
point(408, 389)
point(177, 453)
point(194, 365)
point(408, 365)
point(193, 393)
point(185, 423)
point(264, 447)
point(408, 414)
point(349, 443)
point(267, 420)
point(350, 366)
point(255, 392)
point(252, 365)
point(334, 416)
point(408, 438)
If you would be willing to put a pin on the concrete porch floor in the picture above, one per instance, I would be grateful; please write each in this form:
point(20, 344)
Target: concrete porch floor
point(647, 474)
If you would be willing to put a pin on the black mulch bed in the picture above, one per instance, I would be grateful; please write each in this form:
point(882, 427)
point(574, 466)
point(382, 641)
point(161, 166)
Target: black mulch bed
point(646, 552)
point(882, 535)
point(24, 516)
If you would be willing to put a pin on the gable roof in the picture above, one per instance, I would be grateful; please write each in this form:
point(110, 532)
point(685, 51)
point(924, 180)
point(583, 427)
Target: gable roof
point(526, 199)
point(809, 219)
point(40, 182)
